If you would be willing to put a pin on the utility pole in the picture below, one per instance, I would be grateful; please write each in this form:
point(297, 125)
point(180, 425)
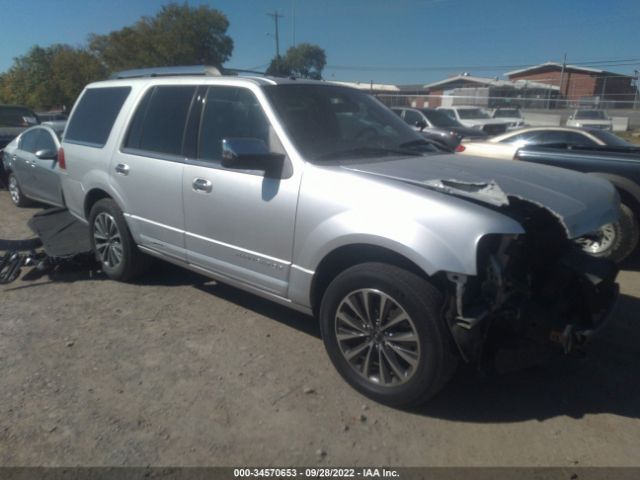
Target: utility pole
point(293, 21)
point(564, 65)
point(276, 16)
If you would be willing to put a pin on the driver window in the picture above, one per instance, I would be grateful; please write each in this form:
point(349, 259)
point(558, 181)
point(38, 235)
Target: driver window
point(412, 117)
point(232, 112)
point(28, 141)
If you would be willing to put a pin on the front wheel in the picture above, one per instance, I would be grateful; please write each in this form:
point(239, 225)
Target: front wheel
point(615, 241)
point(383, 330)
point(113, 244)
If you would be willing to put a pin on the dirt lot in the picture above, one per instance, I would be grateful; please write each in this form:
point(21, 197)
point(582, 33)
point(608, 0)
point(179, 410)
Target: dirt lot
point(177, 370)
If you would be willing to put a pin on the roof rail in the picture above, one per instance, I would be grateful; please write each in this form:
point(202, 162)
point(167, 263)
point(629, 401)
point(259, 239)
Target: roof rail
point(205, 70)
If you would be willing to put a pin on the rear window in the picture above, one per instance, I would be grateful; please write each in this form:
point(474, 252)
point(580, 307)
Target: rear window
point(93, 117)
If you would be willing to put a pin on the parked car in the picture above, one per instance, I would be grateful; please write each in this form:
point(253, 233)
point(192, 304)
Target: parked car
point(438, 126)
point(56, 119)
point(512, 115)
point(14, 119)
point(476, 117)
point(505, 146)
point(318, 197)
point(31, 162)
point(591, 119)
point(618, 164)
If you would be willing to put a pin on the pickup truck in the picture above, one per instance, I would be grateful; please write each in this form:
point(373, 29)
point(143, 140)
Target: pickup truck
point(619, 165)
point(14, 119)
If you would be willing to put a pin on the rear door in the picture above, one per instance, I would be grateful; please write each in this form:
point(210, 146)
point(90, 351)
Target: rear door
point(147, 170)
point(238, 223)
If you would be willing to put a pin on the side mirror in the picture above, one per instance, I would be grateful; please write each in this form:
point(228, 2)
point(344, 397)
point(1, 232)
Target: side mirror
point(46, 154)
point(421, 124)
point(250, 154)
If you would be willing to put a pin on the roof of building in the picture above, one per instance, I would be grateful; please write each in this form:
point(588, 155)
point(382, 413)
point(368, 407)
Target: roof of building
point(370, 86)
point(492, 82)
point(557, 65)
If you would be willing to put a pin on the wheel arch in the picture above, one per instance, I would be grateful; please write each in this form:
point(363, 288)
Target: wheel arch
point(93, 196)
point(346, 256)
point(628, 190)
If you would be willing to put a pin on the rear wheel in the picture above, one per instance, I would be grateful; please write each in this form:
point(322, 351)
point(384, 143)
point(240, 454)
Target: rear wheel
point(615, 241)
point(383, 330)
point(113, 244)
point(15, 192)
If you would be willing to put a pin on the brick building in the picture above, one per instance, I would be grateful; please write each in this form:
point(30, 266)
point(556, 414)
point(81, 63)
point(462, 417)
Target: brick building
point(581, 85)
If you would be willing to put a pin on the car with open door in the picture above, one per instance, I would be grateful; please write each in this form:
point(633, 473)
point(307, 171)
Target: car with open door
point(31, 160)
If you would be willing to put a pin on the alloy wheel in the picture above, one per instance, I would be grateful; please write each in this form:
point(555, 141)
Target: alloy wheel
point(377, 337)
point(14, 190)
point(601, 241)
point(108, 240)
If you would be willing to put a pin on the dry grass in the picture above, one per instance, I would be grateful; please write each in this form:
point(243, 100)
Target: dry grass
point(632, 136)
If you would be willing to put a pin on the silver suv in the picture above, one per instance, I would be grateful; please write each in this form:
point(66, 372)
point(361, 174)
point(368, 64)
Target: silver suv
point(320, 198)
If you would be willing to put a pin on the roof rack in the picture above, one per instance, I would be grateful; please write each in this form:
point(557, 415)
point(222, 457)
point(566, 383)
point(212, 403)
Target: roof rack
point(204, 70)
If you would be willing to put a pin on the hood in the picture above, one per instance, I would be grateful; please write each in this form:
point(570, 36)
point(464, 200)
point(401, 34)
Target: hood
point(582, 203)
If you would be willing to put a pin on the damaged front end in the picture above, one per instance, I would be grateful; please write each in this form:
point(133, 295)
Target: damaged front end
point(532, 292)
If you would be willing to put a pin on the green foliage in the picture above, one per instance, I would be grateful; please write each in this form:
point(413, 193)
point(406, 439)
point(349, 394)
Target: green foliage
point(177, 35)
point(304, 60)
point(49, 77)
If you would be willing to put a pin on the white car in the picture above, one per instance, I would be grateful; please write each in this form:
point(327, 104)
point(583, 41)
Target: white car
point(591, 119)
point(511, 115)
point(476, 117)
point(505, 146)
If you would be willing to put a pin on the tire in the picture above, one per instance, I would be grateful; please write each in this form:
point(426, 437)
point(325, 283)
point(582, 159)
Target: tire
point(425, 340)
point(615, 241)
point(15, 192)
point(113, 244)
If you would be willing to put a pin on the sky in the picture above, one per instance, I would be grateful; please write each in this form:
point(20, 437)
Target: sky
point(380, 41)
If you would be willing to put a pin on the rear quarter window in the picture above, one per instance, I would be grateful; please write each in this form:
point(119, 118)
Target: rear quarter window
point(93, 118)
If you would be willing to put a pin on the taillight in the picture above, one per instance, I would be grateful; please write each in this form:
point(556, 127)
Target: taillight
point(460, 148)
point(62, 165)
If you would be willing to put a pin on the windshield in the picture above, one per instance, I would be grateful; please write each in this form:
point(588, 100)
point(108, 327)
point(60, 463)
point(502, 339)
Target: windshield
point(468, 113)
point(440, 119)
point(507, 113)
point(590, 115)
point(609, 138)
point(327, 122)
point(17, 117)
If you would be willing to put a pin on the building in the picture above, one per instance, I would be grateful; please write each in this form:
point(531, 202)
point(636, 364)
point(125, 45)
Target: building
point(582, 86)
point(465, 89)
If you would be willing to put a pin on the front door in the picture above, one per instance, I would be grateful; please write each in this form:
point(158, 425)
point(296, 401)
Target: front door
point(238, 223)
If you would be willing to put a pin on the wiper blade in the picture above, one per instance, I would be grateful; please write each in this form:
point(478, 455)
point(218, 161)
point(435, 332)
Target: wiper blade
point(368, 152)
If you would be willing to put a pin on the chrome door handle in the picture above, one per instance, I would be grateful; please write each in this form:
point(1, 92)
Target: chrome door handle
point(202, 185)
point(122, 169)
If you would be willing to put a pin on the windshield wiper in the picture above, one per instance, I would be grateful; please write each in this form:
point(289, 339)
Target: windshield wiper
point(367, 152)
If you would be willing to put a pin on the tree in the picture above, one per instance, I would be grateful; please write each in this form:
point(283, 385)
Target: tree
point(304, 60)
point(279, 68)
point(177, 35)
point(49, 77)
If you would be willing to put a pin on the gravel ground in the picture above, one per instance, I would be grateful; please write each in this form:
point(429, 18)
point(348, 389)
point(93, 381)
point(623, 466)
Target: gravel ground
point(178, 370)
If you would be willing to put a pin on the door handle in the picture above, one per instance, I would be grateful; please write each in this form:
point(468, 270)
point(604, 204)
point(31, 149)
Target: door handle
point(122, 169)
point(202, 185)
